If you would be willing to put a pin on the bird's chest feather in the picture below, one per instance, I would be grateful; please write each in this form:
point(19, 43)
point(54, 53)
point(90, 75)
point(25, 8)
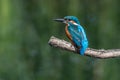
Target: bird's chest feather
point(67, 32)
point(69, 36)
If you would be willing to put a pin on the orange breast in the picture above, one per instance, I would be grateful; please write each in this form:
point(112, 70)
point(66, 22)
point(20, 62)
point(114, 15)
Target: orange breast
point(67, 33)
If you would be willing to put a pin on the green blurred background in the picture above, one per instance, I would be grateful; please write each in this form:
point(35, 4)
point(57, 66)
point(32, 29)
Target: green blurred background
point(27, 25)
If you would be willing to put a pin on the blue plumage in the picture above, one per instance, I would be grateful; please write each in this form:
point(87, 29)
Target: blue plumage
point(78, 36)
point(75, 33)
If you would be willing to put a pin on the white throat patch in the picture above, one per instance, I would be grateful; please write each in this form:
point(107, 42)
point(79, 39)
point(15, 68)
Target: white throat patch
point(74, 23)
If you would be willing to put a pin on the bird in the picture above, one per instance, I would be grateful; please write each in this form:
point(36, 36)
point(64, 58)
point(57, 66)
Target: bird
point(75, 32)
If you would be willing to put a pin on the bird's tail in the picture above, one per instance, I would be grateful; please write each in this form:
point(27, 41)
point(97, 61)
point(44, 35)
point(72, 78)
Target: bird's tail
point(82, 51)
point(83, 47)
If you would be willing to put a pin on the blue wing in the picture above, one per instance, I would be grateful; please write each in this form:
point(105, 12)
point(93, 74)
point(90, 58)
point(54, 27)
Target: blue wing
point(78, 36)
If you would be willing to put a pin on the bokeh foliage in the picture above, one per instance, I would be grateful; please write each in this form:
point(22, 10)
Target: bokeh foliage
point(26, 26)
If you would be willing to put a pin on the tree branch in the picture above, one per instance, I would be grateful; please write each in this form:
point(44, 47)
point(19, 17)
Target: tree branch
point(101, 53)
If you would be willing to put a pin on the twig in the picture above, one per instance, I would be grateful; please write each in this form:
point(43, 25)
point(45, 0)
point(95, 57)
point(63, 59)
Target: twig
point(101, 53)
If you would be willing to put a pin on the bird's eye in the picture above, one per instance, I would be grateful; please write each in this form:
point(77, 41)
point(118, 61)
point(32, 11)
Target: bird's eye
point(69, 19)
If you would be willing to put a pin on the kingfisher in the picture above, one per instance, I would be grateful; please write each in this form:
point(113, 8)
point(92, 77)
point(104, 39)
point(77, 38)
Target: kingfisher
point(75, 32)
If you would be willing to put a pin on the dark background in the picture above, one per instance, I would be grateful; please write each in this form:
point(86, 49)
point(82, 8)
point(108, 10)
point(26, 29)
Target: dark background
point(27, 25)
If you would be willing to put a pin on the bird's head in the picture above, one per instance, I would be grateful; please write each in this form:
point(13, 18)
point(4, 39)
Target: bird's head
point(67, 19)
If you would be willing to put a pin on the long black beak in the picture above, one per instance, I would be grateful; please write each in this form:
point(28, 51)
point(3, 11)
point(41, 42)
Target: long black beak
point(59, 20)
